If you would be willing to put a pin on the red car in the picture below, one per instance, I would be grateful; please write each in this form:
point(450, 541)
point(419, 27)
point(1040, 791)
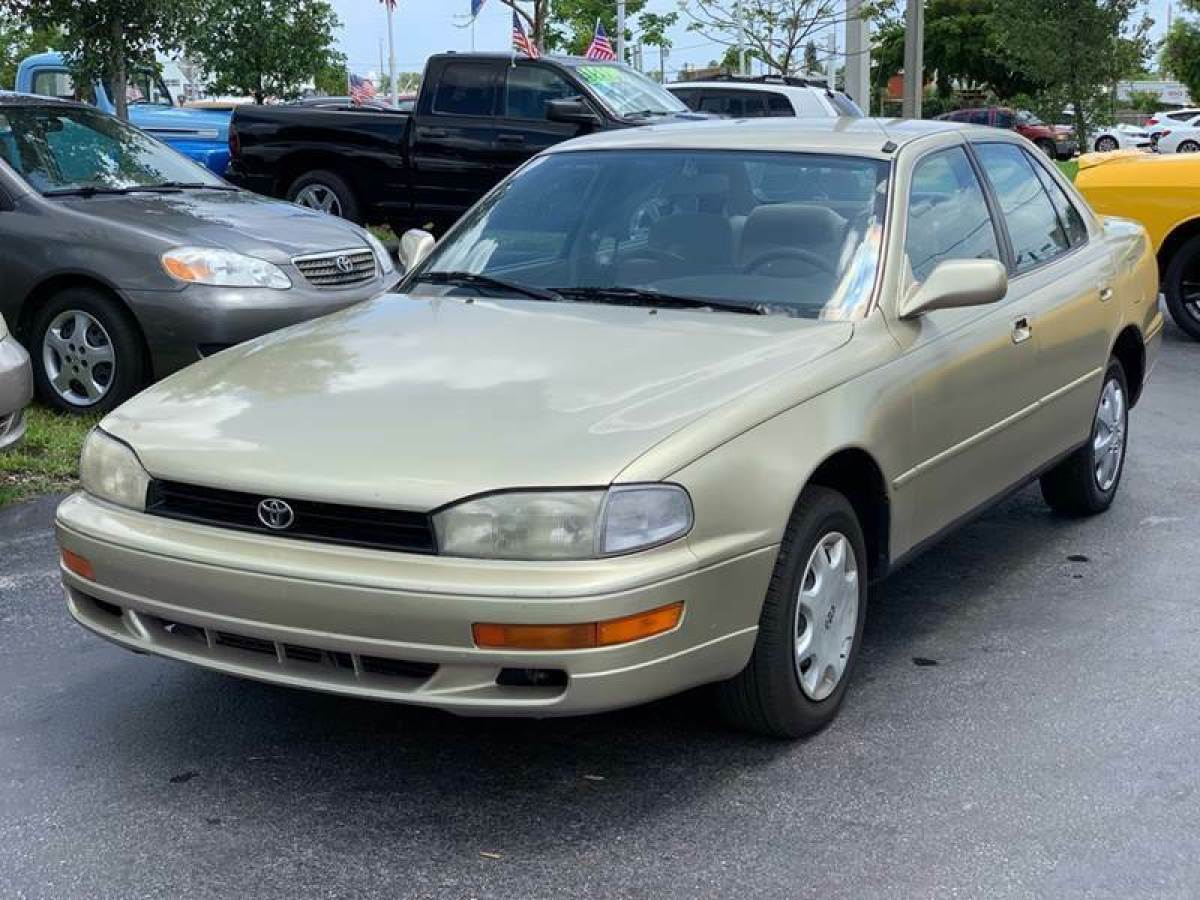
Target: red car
point(1056, 141)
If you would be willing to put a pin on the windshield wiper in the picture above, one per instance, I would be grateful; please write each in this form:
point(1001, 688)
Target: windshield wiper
point(86, 191)
point(184, 185)
point(471, 279)
point(647, 113)
point(626, 296)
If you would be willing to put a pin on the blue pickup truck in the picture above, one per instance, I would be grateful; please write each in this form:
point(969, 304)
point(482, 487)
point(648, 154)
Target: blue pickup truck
point(200, 134)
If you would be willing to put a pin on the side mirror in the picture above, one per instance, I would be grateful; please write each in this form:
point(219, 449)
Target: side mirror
point(415, 245)
point(572, 111)
point(956, 283)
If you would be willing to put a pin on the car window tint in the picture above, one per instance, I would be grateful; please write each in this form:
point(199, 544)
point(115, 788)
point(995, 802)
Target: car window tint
point(1068, 214)
point(736, 104)
point(466, 89)
point(779, 106)
point(1005, 119)
point(977, 116)
point(1033, 226)
point(690, 97)
point(948, 217)
point(529, 88)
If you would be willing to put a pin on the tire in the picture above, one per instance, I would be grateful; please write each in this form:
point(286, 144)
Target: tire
point(1075, 487)
point(1106, 144)
point(325, 192)
point(1048, 148)
point(772, 696)
point(88, 354)
point(1182, 270)
point(1187, 147)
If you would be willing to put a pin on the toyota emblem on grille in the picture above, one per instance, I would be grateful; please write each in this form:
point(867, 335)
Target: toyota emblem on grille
point(277, 515)
point(344, 265)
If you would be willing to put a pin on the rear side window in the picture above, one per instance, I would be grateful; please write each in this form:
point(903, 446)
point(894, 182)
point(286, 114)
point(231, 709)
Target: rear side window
point(809, 104)
point(779, 106)
point(948, 217)
point(1033, 226)
point(1005, 119)
point(466, 89)
point(1068, 214)
point(530, 88)
point(976, 117)
point(690, 98)
point(736, 104)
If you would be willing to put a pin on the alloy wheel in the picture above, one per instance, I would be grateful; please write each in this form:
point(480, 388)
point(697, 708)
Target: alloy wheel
point(78, 357)
point(1108, 435)
point(826, 616)
point(319, 197)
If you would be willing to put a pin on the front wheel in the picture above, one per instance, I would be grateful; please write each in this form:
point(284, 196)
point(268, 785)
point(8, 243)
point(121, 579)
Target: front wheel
point(811, 624)
point(1106, 144)
point(1181, 285)
point(1086, 482)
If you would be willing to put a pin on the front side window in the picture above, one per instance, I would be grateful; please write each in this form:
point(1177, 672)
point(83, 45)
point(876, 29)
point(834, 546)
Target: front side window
point(1033, 226)
point(948, 217)
point(54, 83)
point(466, 89)
point(977, 117)
point(794, 234)
point(144, 86)
point(75, 149)
point(529, 88)
point(1005, 119)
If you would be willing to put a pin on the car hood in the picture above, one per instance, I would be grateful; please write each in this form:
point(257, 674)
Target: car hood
point(415, 402)
point(234, 220)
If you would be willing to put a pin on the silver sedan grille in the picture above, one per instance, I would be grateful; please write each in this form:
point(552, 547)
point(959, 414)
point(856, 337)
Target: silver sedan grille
point(340, 269)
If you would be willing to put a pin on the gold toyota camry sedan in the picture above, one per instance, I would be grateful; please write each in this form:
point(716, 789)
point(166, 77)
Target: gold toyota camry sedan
point(655, 414)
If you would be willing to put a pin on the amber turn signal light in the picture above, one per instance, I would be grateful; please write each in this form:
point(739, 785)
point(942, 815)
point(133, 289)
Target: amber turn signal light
point(77, 564)
point(580, 636)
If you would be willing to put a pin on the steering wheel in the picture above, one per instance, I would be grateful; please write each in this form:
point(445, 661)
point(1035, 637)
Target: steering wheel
point(655, 254)
point(813, 259)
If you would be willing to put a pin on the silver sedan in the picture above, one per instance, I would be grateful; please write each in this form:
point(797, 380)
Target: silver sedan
point(16, 388)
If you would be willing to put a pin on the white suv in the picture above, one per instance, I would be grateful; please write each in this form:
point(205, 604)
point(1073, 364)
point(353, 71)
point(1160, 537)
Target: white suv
point(765, 96)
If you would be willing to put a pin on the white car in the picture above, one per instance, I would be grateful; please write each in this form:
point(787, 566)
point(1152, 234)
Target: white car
point(766, 96)
point(1168, 117)
point(1120, 137)
point(1181, 138)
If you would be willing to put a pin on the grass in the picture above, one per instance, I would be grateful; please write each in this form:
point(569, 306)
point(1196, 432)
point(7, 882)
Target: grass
point(1069, 167)
point(47, 460)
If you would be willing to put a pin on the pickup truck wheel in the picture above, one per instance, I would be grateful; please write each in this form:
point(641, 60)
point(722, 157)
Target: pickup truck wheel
point(1181, 284)
point(811, 624)
point(325, 192)
point(87, 353)
point(1086, 482)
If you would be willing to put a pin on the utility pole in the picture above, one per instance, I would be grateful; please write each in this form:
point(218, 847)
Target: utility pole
point(741, 51)
point(391, 9)
point(914, 59)
point(621, 30)
point(831, 54)
point(858, 55)
point(382, 70)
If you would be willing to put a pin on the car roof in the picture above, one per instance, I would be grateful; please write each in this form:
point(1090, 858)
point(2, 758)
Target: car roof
point(15, 98)
point(862, 137)
point(772, 86)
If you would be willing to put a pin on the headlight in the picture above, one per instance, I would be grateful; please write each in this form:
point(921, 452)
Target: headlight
point(565, 524)
point(223, 268)
point(110, 470)
point(386, 264)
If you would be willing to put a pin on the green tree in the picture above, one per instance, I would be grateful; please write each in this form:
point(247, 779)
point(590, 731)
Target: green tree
point(265, 48)
point(1144, 101)
point(812, 60)
point(1077, 49)
point(773, 31)
point(1181, 49)
point(17, 41)
point(102, 39)
point(572, 23)
point(653, 28)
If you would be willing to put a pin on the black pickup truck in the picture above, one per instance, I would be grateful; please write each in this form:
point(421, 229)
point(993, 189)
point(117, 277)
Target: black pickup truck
point(478, 116)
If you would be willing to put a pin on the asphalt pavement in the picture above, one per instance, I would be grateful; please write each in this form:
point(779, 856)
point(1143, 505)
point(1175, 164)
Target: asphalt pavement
point(1024, 722)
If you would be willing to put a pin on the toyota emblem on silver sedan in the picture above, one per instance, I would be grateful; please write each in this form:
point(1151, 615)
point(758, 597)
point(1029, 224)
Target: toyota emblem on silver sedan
point(344, 265)
point(277, 515)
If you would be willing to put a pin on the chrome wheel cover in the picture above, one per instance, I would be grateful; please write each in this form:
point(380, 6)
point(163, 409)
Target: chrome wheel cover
point(826, 616)
point(319, 197)
point(1108, 435)
point(78, 357)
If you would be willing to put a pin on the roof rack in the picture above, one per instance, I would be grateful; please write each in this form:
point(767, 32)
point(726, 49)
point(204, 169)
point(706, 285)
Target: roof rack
point(788, 80)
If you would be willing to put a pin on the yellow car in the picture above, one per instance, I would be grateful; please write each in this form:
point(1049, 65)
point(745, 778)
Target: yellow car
point(1163, 193)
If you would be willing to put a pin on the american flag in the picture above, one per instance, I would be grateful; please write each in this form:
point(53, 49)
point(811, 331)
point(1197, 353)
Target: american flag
point(601, 47)
point(521, 41)
point(361, 90)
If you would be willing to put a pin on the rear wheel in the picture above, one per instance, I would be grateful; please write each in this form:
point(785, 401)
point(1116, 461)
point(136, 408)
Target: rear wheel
point(1086, 482)
point(1181, 285)
point(1188, 147)
point(87, 353)
point(1106, 144)
point(325, 192)
point(811, 624)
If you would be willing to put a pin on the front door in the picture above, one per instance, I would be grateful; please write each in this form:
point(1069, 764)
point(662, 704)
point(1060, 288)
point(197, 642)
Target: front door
point(524, 130)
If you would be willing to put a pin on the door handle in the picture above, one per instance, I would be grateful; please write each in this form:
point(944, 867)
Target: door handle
point(510, 138)
point(434, 132)
point(1106, 294)
point(1021, 330)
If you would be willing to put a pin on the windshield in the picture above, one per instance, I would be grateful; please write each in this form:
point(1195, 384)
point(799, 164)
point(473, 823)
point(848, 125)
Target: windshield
point(626, 92)
point(143, 86)
point(1025, 117)
point(72, 148)
point(785, 233)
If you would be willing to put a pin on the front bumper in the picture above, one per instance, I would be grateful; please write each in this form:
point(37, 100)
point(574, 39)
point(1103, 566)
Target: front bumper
point(1065, 149)
point(397, 626)
point(187, 325)
point(16, 390)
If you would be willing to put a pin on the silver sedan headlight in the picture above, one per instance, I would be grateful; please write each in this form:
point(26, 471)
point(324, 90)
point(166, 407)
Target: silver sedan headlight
point(223, 268)
point(549, 525)
point(110, 470)
point(386, 264)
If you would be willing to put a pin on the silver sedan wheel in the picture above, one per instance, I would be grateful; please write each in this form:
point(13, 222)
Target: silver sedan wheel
point(1108, 435)
point(826, 615)
point(320, 198)
point(78, 357)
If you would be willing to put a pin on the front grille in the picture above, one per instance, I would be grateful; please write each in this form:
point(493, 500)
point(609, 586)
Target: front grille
point(331, 523)
point(341, 269)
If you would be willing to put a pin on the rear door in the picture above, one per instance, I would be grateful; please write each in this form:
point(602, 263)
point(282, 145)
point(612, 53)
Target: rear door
point(453, 149)
point(524, 130)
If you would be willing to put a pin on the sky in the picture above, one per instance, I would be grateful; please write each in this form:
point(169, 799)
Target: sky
point(424, 27)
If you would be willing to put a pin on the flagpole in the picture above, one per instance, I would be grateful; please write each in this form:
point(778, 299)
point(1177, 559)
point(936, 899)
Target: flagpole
point(391, 7)
point(620, 30)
